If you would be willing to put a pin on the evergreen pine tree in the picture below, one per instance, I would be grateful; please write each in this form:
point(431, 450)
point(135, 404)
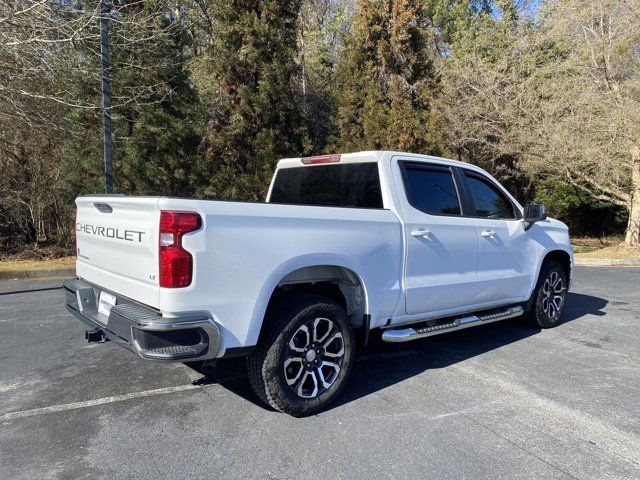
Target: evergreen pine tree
point(387, 81)
point(247, 77)
point(322, 23)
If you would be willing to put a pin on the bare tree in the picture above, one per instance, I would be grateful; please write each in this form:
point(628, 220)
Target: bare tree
point(50, 83)
point(561, 97)
point(601, 88)
point(47, 46)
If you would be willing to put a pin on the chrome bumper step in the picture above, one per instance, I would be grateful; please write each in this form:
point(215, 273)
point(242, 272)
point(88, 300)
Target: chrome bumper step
point(396, 335)
point(173, 351)
point(141, 329)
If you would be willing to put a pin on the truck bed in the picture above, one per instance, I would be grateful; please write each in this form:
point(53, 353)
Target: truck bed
point(240, 254)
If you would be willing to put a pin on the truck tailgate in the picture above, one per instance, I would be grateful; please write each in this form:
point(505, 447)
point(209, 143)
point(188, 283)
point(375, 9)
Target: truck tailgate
point(117, 245)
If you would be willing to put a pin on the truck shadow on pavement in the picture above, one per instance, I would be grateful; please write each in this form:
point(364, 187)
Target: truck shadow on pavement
point(380, 365)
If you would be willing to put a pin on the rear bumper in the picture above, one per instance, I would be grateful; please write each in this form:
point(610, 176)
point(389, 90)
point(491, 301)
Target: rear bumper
point(142, 329)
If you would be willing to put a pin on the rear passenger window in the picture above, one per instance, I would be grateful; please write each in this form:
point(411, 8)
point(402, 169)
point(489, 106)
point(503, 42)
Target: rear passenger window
point(431, 190)
point(489, 202)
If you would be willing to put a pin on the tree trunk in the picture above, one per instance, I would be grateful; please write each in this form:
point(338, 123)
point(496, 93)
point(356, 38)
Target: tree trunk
point(633, 228)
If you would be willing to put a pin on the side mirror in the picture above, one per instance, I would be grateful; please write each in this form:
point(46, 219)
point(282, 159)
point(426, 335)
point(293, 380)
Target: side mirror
point(533, 213)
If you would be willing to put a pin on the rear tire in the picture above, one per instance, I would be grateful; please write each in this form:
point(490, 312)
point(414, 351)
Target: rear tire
point(304, 355)
point(549, 296)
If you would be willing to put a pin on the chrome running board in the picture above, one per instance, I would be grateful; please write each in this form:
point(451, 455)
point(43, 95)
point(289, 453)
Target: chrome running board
point(410, 333)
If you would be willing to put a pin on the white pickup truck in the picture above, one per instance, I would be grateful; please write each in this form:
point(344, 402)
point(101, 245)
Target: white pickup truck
point(403, 244)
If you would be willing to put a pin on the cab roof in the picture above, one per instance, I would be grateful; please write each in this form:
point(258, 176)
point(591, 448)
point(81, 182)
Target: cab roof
point(364, 156)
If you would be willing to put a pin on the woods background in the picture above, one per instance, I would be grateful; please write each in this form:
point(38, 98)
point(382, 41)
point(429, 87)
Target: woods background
point(209, 94)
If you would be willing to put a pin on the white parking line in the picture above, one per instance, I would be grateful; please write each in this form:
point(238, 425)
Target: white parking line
point(98, 401)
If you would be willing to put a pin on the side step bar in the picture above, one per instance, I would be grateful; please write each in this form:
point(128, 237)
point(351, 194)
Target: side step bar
point(406, 334)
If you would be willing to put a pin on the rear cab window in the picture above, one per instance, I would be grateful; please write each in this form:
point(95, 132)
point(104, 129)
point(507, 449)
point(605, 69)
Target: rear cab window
point(355, 185)
point(431, 189)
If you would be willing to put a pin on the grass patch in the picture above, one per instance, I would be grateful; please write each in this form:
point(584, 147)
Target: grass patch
point(29, 265)
point(583, 249)
point(595, 243)
point(603, 247)
point(615, 251)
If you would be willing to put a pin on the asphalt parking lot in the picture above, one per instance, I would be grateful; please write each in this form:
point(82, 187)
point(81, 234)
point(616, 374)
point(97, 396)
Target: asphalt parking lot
point(498, 401)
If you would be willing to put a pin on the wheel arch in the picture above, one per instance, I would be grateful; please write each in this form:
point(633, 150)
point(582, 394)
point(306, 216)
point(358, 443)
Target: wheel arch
point(560, 256)
point(563, 257)
point(332, 276)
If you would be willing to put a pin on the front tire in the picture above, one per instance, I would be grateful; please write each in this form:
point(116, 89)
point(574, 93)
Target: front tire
point(304, 356)
point(550, 296)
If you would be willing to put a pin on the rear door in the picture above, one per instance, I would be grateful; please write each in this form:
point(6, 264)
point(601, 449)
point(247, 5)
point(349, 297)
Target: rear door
point(441, 243)
point(117, 245)
point(504, 261)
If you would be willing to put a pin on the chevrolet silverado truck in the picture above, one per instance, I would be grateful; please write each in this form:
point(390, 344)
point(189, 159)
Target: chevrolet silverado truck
point(401, 245)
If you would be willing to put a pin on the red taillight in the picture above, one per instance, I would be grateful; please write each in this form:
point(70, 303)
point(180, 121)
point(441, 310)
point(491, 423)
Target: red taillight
point(335, 158)
point(176, 264)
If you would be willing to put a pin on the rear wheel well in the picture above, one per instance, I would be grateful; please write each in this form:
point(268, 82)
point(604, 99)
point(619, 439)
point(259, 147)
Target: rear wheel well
point(337, 283)
point(324, 289)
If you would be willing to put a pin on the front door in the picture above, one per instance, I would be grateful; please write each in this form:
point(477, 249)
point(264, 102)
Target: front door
point(442, 244)
point(504, 263)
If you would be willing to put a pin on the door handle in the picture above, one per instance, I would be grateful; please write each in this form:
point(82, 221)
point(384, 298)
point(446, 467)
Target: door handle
point(488, 234)
point(421, 232)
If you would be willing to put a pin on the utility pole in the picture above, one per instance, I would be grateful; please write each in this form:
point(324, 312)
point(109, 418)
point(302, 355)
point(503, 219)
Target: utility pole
point(106, 99)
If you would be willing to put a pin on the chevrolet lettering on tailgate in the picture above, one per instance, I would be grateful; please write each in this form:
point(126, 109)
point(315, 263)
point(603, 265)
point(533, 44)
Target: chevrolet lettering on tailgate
point(110, 232)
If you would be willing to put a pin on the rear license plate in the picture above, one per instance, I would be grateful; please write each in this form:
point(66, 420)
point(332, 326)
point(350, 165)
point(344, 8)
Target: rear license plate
point(105, 303)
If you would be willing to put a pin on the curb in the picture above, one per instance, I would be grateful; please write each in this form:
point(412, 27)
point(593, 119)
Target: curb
point(66, 272)
point(606, 262)
point(70, 272)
